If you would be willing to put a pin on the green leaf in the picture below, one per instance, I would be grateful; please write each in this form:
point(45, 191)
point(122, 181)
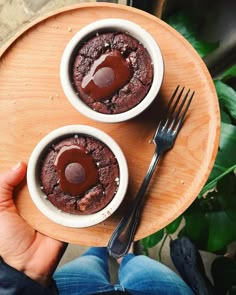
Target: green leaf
point(173, 226)
point(210, 221)
point(196, 228)
point(230, 73)
point(210, 185)
point(222, 229)
point(226, 190)
point(183, 24)
point(153, 239)
point(226, 157)
point(226, 96)
point(225, 117)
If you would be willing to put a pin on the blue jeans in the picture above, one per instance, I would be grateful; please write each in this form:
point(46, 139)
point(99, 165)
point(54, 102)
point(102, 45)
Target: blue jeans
point(138, 275)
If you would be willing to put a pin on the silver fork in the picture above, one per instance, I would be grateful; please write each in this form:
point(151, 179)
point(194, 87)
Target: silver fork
point(164, 140)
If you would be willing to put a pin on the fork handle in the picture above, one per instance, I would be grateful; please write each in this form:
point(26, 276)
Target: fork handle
point(123, 235)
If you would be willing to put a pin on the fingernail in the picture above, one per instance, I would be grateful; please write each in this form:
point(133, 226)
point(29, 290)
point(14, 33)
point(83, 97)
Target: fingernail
point(17, 166)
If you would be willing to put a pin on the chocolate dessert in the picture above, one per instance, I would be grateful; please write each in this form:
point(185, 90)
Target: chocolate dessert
point(112, 72)
point(79, 175)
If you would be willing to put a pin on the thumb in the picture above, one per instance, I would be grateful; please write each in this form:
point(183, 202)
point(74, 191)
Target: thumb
point(10, 179)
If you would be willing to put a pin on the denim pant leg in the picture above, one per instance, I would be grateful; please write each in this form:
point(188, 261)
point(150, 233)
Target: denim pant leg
point(141, 275)
point(85, 275)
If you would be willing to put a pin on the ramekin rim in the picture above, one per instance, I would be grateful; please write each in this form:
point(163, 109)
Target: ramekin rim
point(140, 34)
point(45, 206)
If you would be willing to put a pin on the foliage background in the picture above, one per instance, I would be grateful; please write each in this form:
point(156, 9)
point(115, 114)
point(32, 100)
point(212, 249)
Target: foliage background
point(210, 222)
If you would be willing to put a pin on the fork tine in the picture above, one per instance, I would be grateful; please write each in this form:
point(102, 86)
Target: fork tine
point(163, 123)
point(176, 117)
point(179, 124)
point(169, 112)
point(176, 103)
point(171, 100)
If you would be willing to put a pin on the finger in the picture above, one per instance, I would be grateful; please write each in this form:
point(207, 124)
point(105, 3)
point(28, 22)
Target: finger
point(10, 179)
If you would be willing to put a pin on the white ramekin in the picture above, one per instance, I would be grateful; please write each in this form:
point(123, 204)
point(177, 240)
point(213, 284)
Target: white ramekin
point(120, 25)
point(38, 196)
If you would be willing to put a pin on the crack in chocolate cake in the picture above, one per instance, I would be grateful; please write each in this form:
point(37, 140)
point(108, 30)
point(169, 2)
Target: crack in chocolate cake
point(112, 72)
point(79, 175)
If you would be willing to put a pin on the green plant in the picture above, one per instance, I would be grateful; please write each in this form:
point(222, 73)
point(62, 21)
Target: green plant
point(210, 222)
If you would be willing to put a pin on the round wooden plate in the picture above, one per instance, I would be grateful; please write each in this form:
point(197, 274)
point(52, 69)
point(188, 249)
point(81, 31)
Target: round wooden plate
point(32, 104)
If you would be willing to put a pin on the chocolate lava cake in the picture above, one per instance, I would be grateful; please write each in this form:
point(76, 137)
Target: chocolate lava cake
point(79, 175)
point(112, 72)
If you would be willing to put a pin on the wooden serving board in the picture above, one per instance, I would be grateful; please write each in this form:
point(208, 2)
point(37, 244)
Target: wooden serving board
point(32, 104)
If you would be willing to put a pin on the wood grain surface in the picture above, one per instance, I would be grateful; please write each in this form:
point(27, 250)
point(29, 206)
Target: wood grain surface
point(32, 104)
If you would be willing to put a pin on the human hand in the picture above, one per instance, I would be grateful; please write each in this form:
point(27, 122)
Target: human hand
point(21, 246)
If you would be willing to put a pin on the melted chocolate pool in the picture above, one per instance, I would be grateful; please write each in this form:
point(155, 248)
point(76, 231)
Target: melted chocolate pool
point(112, 72)
point(79, 175)
point(109, 73)
point(76, 169)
